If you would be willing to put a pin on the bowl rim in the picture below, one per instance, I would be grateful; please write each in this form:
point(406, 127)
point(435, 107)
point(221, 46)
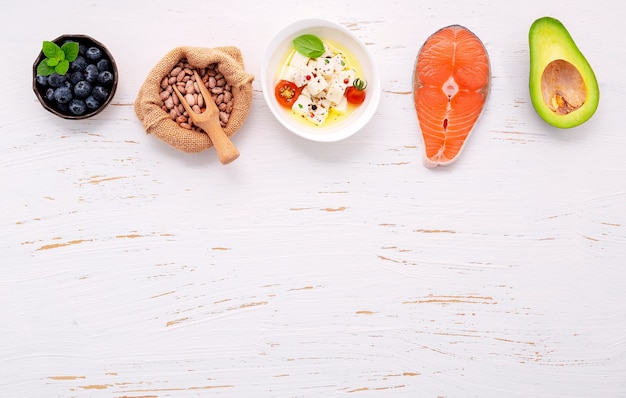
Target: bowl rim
point(56, 112)
point(300, 27)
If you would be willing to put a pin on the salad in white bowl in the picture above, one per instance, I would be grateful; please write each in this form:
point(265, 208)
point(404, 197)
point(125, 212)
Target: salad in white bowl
point(320, 81)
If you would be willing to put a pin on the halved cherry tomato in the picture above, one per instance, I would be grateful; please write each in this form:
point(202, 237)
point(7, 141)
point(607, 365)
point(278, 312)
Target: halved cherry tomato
point(286, 93)
point(355, 94)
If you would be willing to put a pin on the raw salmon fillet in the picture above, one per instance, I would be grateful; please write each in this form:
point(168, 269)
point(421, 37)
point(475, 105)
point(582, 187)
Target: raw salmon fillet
point(450, 87)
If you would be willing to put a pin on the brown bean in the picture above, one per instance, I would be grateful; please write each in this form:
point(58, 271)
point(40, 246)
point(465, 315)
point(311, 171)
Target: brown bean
point(189, 87)
point(175, 71)
point(224, 117)
point(190, 99)
point(169, 103)
point(183, 78)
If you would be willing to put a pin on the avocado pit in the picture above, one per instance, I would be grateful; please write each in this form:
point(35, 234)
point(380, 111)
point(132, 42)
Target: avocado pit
point(563, 87)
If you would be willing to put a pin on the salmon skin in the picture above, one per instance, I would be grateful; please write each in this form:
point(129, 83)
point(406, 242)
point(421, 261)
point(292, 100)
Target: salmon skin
point(450, 88)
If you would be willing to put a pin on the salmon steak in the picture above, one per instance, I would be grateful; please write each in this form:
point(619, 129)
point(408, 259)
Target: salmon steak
point(450, 87)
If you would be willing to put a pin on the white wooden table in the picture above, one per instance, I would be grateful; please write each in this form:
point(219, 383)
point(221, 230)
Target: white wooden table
point(305, 269)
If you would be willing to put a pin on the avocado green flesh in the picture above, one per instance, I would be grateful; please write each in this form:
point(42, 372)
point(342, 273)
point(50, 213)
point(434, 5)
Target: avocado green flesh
point(563, 88)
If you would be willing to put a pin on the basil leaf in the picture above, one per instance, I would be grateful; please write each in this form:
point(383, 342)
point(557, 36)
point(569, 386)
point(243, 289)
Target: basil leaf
point(309, 45)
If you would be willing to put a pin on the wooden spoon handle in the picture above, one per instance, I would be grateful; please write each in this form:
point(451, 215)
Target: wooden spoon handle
point(209, 122)
point(226, 150)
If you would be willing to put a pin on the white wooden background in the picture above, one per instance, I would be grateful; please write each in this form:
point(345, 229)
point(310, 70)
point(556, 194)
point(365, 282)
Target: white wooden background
point(307, 269)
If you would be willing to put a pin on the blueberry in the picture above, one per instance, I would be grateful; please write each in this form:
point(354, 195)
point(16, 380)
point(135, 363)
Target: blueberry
point(91, 73)
point(100, 93)
point(92, 103)
point(82, 89)
point(79, 64)
point(103, 65)
point(50, 94)
point(82, 49)
point(76, 77)
point(63, 95)
point(55, 80)
point(93, 53)
point(42, 80)
point(63, 107)
point(77, 106)
point(105, 77)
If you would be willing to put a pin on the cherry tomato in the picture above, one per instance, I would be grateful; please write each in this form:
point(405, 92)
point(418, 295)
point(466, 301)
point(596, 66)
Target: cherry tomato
point(355, 94)
point(286, 93)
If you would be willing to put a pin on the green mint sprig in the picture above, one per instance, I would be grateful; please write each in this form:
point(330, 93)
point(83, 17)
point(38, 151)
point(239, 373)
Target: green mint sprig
point(57, 58)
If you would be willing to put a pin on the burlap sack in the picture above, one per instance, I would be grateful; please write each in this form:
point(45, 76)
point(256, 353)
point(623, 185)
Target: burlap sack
point(156, 121)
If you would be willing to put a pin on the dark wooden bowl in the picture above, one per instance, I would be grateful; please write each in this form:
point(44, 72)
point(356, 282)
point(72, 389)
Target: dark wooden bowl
point(40, 91)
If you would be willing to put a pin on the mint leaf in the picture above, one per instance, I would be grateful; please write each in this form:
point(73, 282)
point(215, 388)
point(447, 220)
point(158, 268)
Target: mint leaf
point(62, 67)
point(309, 45)
point(71, 50)
point(50, 49)
point(57, 58)
point(43, 69)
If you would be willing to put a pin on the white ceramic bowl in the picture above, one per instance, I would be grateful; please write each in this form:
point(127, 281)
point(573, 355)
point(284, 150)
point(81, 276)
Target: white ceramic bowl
point(273, 59)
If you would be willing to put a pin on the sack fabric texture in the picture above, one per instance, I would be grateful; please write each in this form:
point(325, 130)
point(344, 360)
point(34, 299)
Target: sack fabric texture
point(148, 105)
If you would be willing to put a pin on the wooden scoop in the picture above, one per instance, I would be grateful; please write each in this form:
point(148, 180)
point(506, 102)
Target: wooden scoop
point(209, 121)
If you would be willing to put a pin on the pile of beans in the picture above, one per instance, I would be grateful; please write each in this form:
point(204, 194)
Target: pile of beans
point(182, 76)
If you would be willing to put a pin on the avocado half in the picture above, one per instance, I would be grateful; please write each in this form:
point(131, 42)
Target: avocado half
point(563, 88)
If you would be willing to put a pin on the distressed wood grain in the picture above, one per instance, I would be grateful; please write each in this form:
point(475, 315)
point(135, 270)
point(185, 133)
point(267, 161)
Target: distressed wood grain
point(307, 269)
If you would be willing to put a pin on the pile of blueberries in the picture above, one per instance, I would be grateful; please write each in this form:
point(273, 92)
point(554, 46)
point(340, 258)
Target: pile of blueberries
point(86, 85)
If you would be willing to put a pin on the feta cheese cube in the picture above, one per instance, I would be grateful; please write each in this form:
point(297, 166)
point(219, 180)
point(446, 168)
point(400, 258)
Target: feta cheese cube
point(317, 84)
point(325, 66)
point(302, 105)
point(321, 112)
point(288, 73)
point(347, 75)
point(299, 76)
point(327, 51)
point(342, 106)
point(339, 63)
point(312, 109)
point(298, 60)
point(335, 91)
